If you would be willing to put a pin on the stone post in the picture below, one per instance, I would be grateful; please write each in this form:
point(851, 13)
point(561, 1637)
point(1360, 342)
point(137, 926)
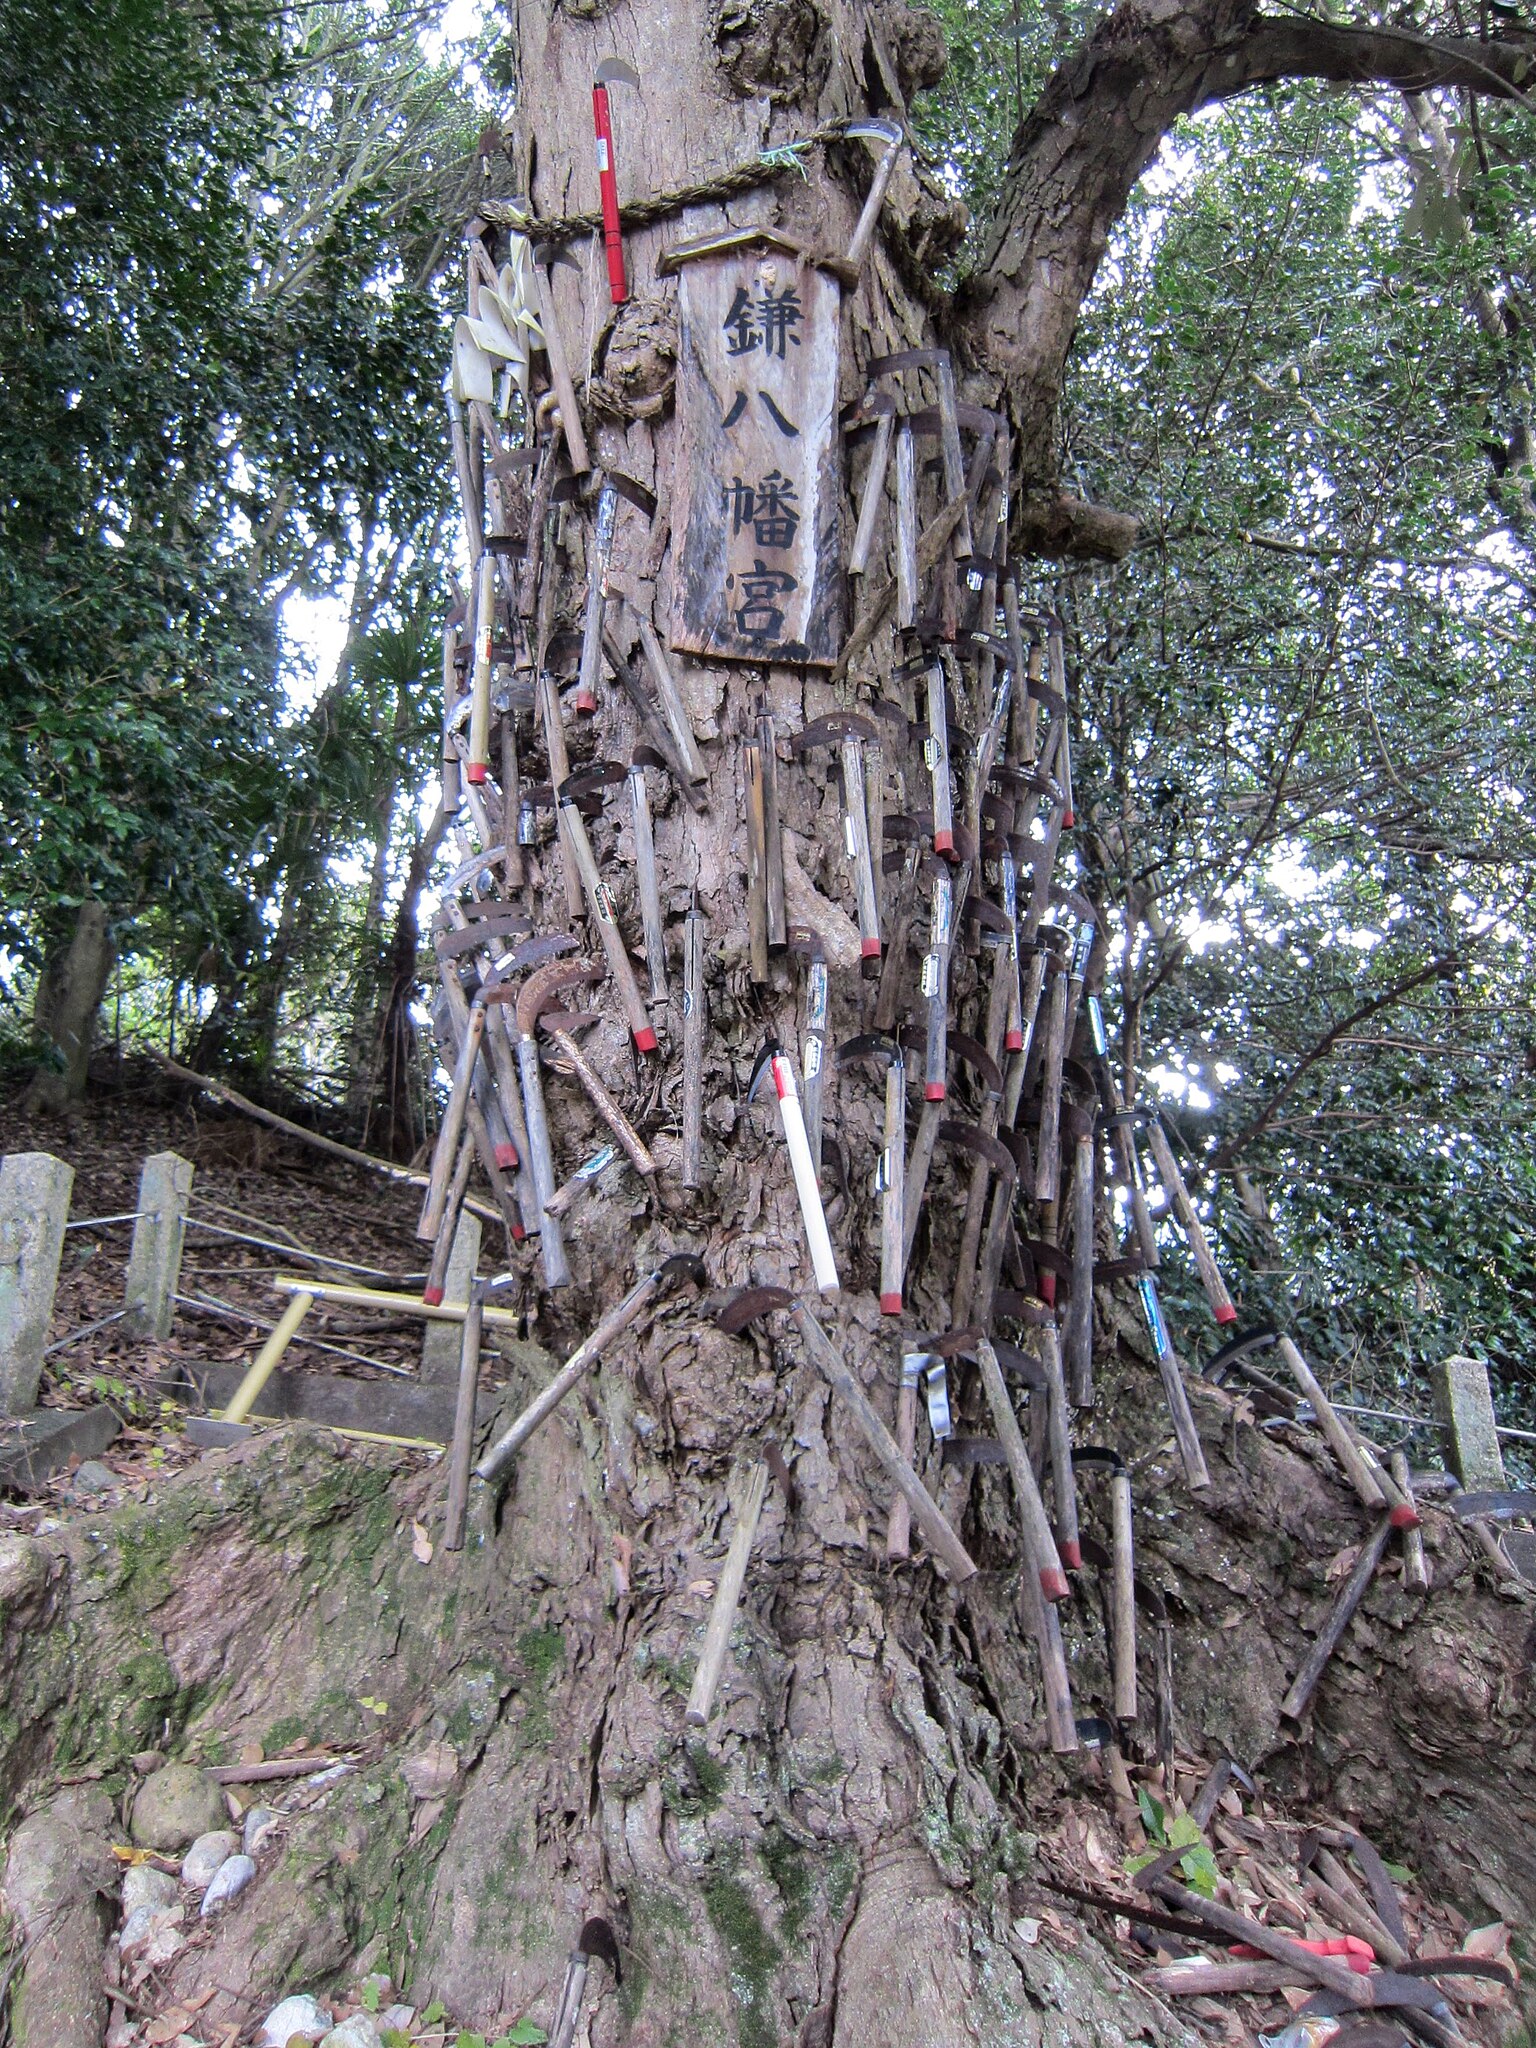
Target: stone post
point(1464, 1410)
point(442, 1342)
point(34, 1207)
point(154, 1263)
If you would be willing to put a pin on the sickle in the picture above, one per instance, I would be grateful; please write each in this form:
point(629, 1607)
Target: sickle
point(541, 986)
point(599, 776)
point(974, 1139)
point(747, 1306)
point(683, 1265)
point(449, 945)
point(1019, 1308)
point(550, 990)
point(832, 730)
point(975, 1054)
point(953, 1344)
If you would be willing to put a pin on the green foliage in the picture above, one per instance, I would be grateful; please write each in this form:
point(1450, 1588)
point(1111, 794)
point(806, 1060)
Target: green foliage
point(1303, 730)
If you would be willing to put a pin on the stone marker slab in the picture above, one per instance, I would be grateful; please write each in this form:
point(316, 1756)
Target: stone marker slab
point(154, 1262)
point(1464, 1410)
point(34, 1207)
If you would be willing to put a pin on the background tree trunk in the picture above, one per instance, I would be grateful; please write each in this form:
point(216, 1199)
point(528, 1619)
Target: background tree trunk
point(69, 995)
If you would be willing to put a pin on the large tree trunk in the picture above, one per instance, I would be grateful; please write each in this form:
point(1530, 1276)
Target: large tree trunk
point(69, 995)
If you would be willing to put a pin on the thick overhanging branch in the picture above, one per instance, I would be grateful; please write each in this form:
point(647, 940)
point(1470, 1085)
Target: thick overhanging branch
point(1301, 47)
point(1077, 158)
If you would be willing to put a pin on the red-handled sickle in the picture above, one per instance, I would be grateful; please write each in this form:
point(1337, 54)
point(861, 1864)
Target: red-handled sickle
point(610, 69)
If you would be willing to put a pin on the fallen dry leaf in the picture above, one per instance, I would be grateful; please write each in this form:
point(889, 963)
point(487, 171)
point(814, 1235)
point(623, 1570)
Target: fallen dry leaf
point(428, 1814)
point(421, 1543)
point(431, 1770)
point(701, 1587)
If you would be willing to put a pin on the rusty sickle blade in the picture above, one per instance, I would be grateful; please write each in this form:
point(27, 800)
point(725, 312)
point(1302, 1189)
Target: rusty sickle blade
point(747, 1306)
point(540, 989)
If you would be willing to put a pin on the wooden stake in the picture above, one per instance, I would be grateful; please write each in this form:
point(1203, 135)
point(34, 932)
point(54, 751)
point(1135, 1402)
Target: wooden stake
point(575, 1369)
point(874, 493)
point(1415, 1566)
point(646, 883)
point(1182, 1417)
point(462, 1448)
point(1194, 1231)
point(695, 1017)
point(438, 1270)
point(941, 1538)
point(722, 1613)
point(1340, 1437)
point(757, 862)
point(605, 917)
point(1295, 1703)
point(1122, 1596)
point(1039, 1543)
point(1055, 1680)
point(1077, 1336)
point(452, 1126)
point(597, 1094)
point(1059, 1438)
point(906, 528)
point(1053, 1048)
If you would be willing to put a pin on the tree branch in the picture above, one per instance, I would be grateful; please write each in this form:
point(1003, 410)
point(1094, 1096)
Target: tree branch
point(1226, 1153)
point(1079, 153)
point(1303, 47)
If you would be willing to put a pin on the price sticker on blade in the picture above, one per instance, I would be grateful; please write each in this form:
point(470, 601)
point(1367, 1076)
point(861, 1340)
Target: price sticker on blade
point(942, 911)
point(602, 153)
point(973, 579)
point(1010, 875)
point(525, 825)
point(933, 753)
point(883, 1172)
point(1080, 953)
point(1096, 1026)
point(812, 1058)
point(816, 993)
point(687, 1002)
point(591, 1168)
point(849, 839)
point(607, 910)
point(938, 1402)
point(930, 975)
point(1152, 1308)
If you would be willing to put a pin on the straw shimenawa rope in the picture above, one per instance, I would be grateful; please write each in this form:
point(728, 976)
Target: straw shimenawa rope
point(764, 169)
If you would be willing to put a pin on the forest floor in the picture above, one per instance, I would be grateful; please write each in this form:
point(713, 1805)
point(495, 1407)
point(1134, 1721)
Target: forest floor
point(190, 1634)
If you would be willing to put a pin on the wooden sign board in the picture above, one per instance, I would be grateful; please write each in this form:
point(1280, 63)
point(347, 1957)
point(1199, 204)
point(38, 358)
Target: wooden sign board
point(757, 574)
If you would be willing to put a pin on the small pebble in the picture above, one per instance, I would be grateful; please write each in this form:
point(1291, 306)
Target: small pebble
point(200, 1866)
point(94, 1477)
point(144, 1923)
point(361, 2030)
point(298, 2017)
point(234, 1874)
point(258, 1826)
point(143, 1885)
point(401, 2017)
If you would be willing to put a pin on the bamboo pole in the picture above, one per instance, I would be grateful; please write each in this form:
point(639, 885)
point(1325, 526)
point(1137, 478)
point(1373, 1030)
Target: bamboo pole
point(722, 1614)
point(265, 1363)
point(462, 1447)
point(942, 1539)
